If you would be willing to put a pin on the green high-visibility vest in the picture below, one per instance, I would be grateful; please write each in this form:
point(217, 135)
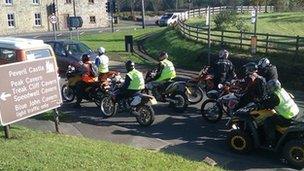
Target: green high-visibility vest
point(104, 64)
point(137, 80)
point(287, 107)
point(168, 72)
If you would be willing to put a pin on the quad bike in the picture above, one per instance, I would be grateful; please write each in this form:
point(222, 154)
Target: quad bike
point(93, 92)
point(247, 133)
point(198, 85)
point(172, 92)
point(140, 106)
point(221, 101)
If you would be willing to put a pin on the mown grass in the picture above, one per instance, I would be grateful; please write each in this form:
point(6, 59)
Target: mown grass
point(192, 55)
point(33, 150)
point(287, 23)
point(114, 43)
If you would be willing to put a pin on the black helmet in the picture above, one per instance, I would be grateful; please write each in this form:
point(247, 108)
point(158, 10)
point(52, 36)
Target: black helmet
point(250, 68)
point(129, 65)
point(162, 56)
point(85, 58)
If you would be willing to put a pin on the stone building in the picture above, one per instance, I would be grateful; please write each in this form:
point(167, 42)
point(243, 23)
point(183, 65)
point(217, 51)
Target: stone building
point(25, 16)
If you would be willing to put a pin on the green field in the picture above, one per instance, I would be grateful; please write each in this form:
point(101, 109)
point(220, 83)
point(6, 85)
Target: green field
point(288, 23)
point(33, 150)
point(114, 43)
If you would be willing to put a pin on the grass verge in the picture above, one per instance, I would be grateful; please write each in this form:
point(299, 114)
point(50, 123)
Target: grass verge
point(115, 45)
point(33, 150)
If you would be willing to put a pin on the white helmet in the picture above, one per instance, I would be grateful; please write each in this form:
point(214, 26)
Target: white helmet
point(264, 62)
point(101, 50)
point(223, 54)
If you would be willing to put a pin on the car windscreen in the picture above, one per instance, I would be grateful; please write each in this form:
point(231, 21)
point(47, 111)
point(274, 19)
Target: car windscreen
point(166, 16)
point(78, 48)
point(37, 54)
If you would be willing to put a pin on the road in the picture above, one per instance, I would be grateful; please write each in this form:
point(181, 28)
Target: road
point(186, 133)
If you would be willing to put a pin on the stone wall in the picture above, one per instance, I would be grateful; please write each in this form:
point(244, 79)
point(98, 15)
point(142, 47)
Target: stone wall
point(24, 11)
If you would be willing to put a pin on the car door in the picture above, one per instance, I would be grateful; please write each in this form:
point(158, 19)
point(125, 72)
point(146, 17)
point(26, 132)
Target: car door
point(61, 56)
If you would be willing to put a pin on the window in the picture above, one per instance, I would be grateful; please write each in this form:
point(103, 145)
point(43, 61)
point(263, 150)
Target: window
point(36, 54)
point(68, 1)
point(7, 56)
point(91, 1)
point(37, 19)
point(11, 20)
point(92, 19)
point(8, 2)
point(35, 2)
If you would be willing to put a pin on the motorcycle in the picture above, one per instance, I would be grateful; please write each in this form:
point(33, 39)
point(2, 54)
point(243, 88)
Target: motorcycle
point(221, 101)
point(140, 106)
point(197, 85)
point(247, 133)
point(92, 92)
point(174, 92)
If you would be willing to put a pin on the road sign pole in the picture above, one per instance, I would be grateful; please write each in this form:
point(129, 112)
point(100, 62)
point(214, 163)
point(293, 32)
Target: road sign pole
point(54, 30)
point(143, 13)
point(256, 19)
point(7, 131)
point(56, 120)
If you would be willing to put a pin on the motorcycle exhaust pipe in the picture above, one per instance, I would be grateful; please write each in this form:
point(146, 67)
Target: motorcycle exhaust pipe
point(171, 100)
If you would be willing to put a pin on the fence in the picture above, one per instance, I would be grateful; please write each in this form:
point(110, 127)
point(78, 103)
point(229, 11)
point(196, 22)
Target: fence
point(240, 9)
point(265, 42)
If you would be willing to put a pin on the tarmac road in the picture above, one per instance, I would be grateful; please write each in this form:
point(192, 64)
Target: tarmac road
point(187, 134)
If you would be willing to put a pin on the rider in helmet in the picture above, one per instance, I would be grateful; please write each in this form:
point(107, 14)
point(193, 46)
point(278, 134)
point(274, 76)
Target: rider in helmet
point(223, 68)
point(87, 78)
point(267, 70)
point(286, 109)
point(134, 82)
point(165, 72)
point(102, 62)
point(254, 85)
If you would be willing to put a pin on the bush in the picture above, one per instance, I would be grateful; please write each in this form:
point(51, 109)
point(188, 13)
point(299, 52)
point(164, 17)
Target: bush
point(227, 19)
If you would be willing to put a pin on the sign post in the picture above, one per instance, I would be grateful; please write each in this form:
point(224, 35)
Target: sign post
point(31, 88)
point(53, 19)
point(208, 23)
point(254, 17)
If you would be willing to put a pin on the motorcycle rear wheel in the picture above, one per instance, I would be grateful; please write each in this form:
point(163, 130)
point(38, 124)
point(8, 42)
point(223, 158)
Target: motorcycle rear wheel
point(68, 94)
point(146, 115)
point(182, 101)
point(108, 107)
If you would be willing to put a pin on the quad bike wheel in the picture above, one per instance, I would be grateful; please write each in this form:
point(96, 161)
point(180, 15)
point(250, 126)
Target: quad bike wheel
point(240, 141)
point(293, 152)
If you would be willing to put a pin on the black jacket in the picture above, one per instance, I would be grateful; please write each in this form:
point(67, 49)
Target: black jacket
point(223, 71)
point(269, 73)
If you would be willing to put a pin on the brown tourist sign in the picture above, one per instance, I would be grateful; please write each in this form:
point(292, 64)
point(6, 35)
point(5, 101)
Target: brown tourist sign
point(27, 89)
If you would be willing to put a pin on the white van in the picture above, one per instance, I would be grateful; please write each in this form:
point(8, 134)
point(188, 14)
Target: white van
point(171, 18)
point(14, 49)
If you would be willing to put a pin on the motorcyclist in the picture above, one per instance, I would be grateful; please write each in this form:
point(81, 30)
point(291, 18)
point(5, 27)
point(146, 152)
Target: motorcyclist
point(88, 78)
point(102, 62)
point(254, 85)
point(165, 72)
point(223, 69)
point(281, 101)
point(267, 70)
point(134, 82)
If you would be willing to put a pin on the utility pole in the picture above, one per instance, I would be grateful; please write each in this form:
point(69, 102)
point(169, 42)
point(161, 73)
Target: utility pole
point(74, 8)
point(143, 13)
point(112, 14)
point(209, 35)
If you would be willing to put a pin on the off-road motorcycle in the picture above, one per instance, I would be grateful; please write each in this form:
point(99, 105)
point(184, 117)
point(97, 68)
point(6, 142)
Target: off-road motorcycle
point(172, 92)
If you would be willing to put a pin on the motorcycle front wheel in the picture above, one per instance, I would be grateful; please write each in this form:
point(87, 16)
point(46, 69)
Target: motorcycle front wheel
point(145, 115)
point(107, 106)
point(181, 101)
point(211, 111)
point(68, 94)
point(195, 94)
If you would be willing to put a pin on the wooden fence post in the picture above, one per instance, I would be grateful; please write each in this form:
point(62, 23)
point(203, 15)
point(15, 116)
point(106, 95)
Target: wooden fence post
point(189, 28)
point(222, 37)
point(197, 33)
point(267, 43)
point(199, 12)
point(212, 10)
point(297, 47)
point(241, 39)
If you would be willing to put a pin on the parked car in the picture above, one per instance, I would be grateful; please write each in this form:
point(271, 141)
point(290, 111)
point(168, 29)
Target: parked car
point(171, 18)
point(14, 49)
point(69, 52)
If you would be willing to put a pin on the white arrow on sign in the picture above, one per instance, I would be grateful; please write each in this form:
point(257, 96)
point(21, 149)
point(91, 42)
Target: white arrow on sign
point(4, 96)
